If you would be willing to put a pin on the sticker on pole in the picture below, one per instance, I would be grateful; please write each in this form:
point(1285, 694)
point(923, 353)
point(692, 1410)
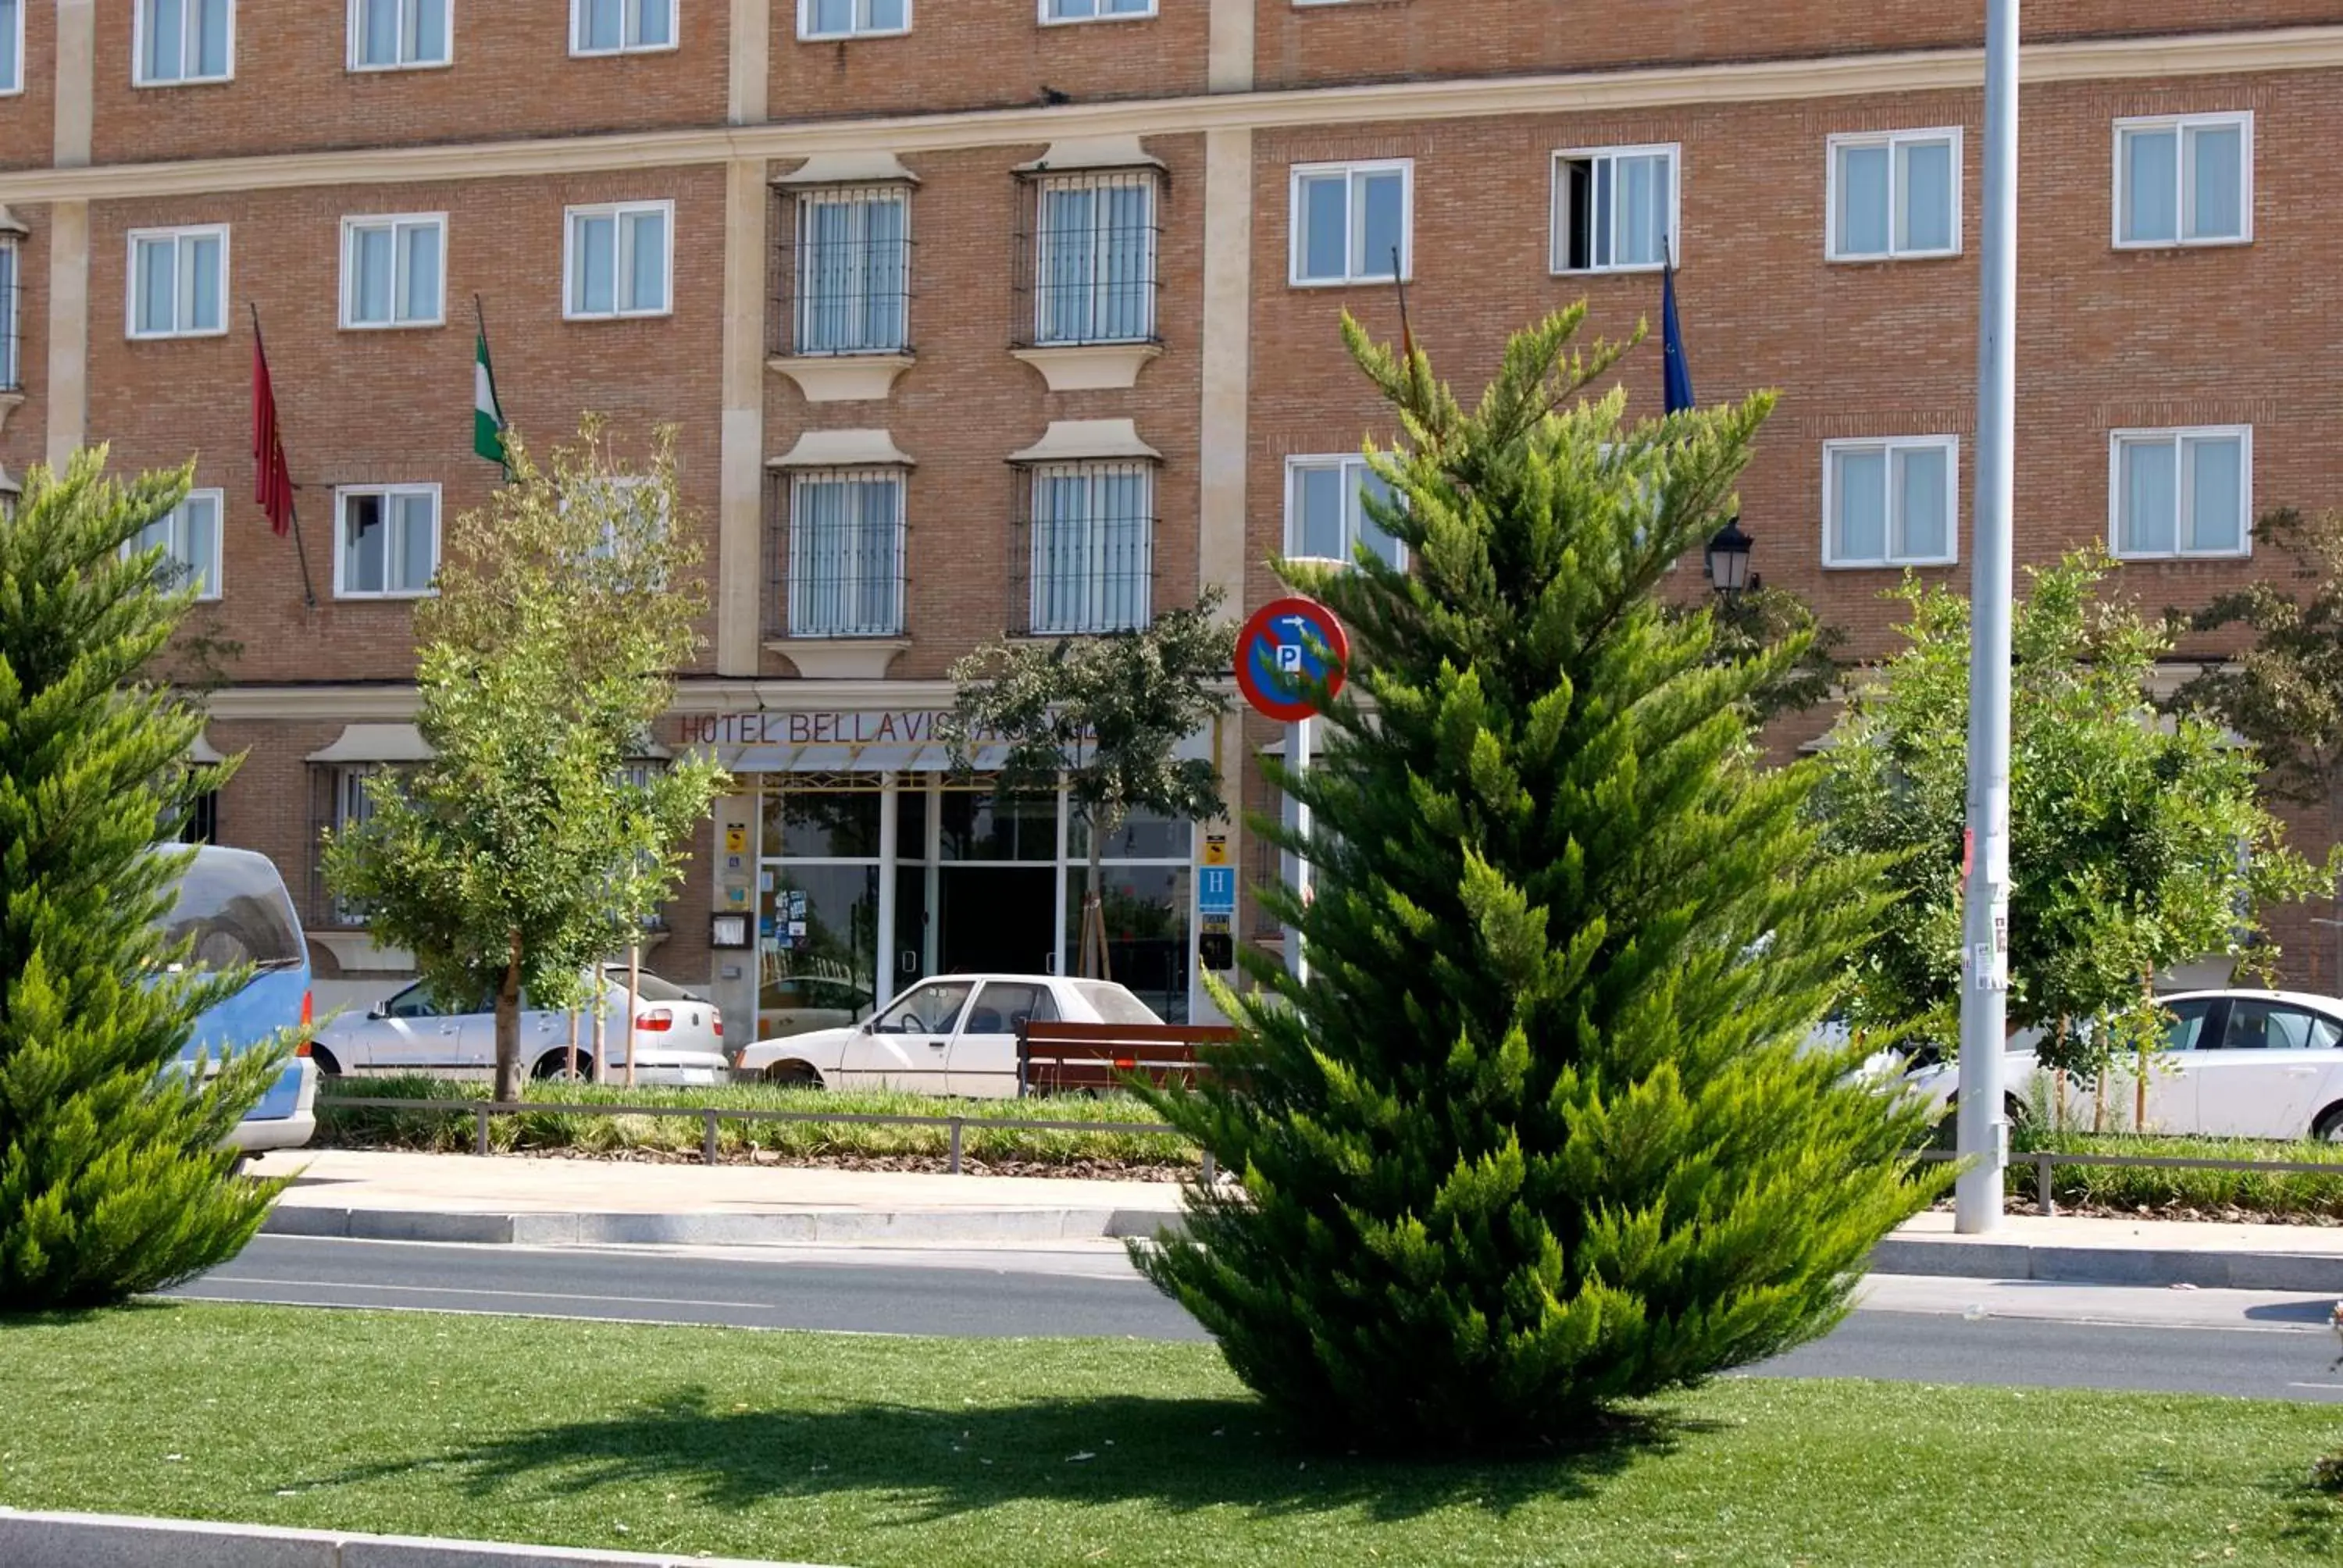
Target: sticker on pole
point(1285, 651)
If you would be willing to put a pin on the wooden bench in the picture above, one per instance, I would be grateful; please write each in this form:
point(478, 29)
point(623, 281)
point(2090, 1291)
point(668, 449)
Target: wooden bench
point(1059, 1058)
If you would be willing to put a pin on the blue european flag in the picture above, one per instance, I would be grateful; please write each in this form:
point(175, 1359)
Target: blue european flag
point(1676, 370)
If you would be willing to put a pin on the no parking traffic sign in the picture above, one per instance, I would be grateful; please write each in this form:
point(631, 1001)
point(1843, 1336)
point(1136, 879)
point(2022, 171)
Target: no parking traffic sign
point(1287, 648)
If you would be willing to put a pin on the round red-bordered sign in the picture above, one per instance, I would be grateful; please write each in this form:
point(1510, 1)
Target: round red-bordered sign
point(1287, 647)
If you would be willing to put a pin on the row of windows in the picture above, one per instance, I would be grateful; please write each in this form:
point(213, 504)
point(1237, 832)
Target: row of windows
point(183, 41)
point(1892, 196)
point(617, 262)
point(2179, 180)
point(2171, 495)
point(1891, 502)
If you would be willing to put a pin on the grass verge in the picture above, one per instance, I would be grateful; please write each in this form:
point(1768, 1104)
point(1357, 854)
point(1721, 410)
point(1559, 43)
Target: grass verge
point(1027, 1454)
point(546, 1131)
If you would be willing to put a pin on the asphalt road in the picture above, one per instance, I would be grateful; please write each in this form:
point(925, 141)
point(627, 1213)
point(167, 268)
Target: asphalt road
point(1911, 1330)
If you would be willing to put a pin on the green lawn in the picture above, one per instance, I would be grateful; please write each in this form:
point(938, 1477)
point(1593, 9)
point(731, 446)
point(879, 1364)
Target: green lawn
point(869, 1451)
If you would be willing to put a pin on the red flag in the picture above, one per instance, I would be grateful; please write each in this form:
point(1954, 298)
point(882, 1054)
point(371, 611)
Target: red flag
point(274, 488)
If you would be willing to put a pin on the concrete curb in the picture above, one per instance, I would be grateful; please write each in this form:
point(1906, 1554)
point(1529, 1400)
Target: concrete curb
point(790, 1227)
point(111, 1540)
point(2209, 1269)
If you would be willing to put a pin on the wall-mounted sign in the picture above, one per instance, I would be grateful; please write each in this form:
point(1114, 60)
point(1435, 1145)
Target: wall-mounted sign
point(1216, 848)
point(1216, 890)
point(736, 838)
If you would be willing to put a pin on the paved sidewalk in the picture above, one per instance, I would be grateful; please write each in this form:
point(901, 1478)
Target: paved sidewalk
point(510, 1198)
point(394, 1197)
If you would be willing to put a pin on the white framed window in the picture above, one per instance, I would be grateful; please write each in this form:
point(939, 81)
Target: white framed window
point(2180, 493)
point(617, 263)
point(622, 489)
point(1054, 11)
point(12, 359)
point(1093, 556)
point(1094, 257)
point(179, 282)
point(853, 270)
point(398, 34)
point(1326, 513)
point(1350, 220)
point(621, 26)
point(385, 540)
point(12, 46)
point(189, 537)
point(394, 270)
point(182, 41)
point(1891, 502)
point(852, 19)
point(846, 553)
point(1614, 208)
point(2185, 179)
point(1894, 195)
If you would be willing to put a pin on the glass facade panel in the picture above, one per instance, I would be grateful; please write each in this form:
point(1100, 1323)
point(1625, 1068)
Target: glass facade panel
point(1146, 909)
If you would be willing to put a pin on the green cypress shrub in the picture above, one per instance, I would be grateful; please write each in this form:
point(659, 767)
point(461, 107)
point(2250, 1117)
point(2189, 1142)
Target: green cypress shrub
point(112, 1179)
point(1541, 1133)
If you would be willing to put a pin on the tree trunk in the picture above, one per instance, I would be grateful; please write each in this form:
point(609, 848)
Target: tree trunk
point(2335, 911)
point(2139, 1091)
point(508, 1081)
point(1092, 963)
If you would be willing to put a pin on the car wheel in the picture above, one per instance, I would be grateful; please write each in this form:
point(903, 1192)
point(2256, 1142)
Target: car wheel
point(322, 1060)
point(793, 1075)
point(555, 1065)
point(2328, 1128)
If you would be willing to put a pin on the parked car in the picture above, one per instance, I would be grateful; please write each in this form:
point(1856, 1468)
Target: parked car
point(232, 906)
point(953, 1034)
point(2235, 1063)
point(678, 1036)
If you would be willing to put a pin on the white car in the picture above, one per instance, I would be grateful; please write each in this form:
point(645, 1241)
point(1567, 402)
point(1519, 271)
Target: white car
point(679, 1037)
point(955, 1034)
point(2235, 1064)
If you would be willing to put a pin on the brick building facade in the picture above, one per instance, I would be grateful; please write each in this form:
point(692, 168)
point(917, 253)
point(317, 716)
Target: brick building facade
point(1018, 315)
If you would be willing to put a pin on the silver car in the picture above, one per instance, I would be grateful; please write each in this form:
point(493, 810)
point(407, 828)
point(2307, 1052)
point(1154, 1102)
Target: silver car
point(679, 1037)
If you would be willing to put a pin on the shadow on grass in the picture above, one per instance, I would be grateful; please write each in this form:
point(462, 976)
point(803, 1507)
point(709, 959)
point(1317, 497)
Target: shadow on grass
point(1180, 1453)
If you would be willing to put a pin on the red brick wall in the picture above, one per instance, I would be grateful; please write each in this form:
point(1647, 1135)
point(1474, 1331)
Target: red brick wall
point(394, 407)
point(2108, 339)
point(1384, 40)
point(28, 120)
point(985, 54)
point(966, 404)
point(511, 75)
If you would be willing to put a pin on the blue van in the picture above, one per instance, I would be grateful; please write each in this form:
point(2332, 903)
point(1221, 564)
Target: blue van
point(233, 908)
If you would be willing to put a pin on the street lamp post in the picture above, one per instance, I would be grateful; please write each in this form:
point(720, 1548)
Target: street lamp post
point(1985, 954)
point(1728, 558)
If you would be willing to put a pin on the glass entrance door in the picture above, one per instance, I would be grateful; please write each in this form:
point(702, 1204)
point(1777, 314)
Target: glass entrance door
point(996, 882)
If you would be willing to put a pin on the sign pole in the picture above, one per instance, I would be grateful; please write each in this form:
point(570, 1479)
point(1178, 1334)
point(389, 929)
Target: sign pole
point(1297, 757)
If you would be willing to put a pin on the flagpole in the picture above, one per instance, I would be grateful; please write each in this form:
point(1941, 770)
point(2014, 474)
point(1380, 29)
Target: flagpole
point(292, 505)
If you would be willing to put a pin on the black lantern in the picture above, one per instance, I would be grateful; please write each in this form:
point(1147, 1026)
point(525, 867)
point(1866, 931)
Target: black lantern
point(1728, 558)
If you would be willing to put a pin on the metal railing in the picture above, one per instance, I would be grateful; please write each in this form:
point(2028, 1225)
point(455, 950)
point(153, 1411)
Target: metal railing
point(711, 1117)
point(2046, 1162)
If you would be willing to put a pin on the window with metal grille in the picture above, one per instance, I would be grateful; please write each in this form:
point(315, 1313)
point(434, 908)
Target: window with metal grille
point(1092, 255)
point(846, 553)
point(850, 275)
point(346, 806)
point(1091, 550)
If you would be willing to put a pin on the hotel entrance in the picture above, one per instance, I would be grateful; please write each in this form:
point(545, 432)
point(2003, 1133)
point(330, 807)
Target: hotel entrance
point(868, 882)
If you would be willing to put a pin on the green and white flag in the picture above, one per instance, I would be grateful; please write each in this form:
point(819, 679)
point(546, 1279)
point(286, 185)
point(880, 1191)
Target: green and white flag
point(488, 416)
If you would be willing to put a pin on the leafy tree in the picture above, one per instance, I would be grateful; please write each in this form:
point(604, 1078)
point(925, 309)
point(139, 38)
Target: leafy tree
point(1108, 713)
point(2134, 845)
point(521, 854)
point(1539, 1133)
point(2284, 694)
point(1747, 625)
point(112, 1179)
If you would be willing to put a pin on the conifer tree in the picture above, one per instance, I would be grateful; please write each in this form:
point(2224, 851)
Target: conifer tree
point(112, 1179)
point(1540, 1132)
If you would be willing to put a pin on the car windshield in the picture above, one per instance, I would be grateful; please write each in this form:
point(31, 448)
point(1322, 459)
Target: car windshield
point(649, 987)
point(1113, 1004)
point(235, 911)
